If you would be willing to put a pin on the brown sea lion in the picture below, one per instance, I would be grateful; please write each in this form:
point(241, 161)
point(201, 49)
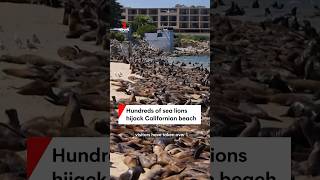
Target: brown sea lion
point(252, 129)
point(147, 160)
point(76, 29)
point(68, 52)
point(132, 173)
point(302, 85)
point(29, 59)
point(11, 176)
point(155, 171)
point(89, 36)
point(289, 98)
point(13, 160)
point(254, 110)
point(36, 87)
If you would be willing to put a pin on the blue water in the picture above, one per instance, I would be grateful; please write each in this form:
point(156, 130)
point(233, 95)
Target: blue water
point(196, 60)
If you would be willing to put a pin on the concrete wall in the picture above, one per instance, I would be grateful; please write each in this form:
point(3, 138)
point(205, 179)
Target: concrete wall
point(165, 41)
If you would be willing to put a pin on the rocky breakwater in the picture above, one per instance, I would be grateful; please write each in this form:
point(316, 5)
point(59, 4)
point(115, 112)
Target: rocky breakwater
point(193, 48)
point(266, 84)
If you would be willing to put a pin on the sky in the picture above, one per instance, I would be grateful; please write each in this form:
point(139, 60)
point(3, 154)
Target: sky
point(162, 3)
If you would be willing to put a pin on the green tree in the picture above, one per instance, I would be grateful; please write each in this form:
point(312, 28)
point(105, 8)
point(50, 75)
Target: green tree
point(142, 24)
point(139, 21)
point(147, 28)
point(111, 13)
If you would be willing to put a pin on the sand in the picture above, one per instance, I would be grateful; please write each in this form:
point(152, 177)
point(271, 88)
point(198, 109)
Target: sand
point(120, 71)
point(22, 21)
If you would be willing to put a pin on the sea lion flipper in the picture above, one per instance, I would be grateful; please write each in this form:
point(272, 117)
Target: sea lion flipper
point(13, 118)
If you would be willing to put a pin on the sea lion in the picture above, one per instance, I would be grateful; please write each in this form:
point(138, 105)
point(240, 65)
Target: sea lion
point(311, 166)
point(310, 130)
point(29, 59)
point(256, 4)
point(89, 36)
point(100, 125)
point(35, 39)
point(15, 163)
point(254, 110)
point(87, 101)
point(10, 137)
point(67, 11)
point(36, 87)
point(155, 171)
point(289, 98)
point(252, 129)
point(147, 161)
point(72, 116)
point(132, 173)
point(76, 29)
point(30, 45)
point(314, 160)
point(303, 85)
point(68, 52)
point(11, 176)
point(28, 73)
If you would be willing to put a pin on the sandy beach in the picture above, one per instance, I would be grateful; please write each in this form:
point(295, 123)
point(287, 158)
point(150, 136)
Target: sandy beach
point(46, 23)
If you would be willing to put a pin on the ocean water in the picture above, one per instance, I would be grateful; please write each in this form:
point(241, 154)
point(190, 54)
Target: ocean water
point(190, 60)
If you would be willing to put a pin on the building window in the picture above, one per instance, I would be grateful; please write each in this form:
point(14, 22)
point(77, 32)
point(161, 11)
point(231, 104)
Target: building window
point(172, 10)
point(132, 11)
point(173, 18)
point(184, 11)
point(154, 18)
point(194, 18)
point(184, 25)
point(164, 10)
point(194, 25)
point(204, 11)
point(205, 25)
point(143, 11)
point(153, 11)
point(164, 18)
point(194, 11)
point(164, 24)
point(205, 18)
point(184, 18)
point(173, 24)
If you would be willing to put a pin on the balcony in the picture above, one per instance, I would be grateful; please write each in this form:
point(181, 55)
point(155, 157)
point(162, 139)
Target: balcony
point(153, 11)
point(173, 18)
point(164, 18)
point(184, 11)
point(194, 18)
point(204, 18)
point(184, 25)
point(194, 25)
point(184, 18)
point(204, 12)
point(194, 11)
point(143, 11)
point(205, 25)
point(132, 11)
